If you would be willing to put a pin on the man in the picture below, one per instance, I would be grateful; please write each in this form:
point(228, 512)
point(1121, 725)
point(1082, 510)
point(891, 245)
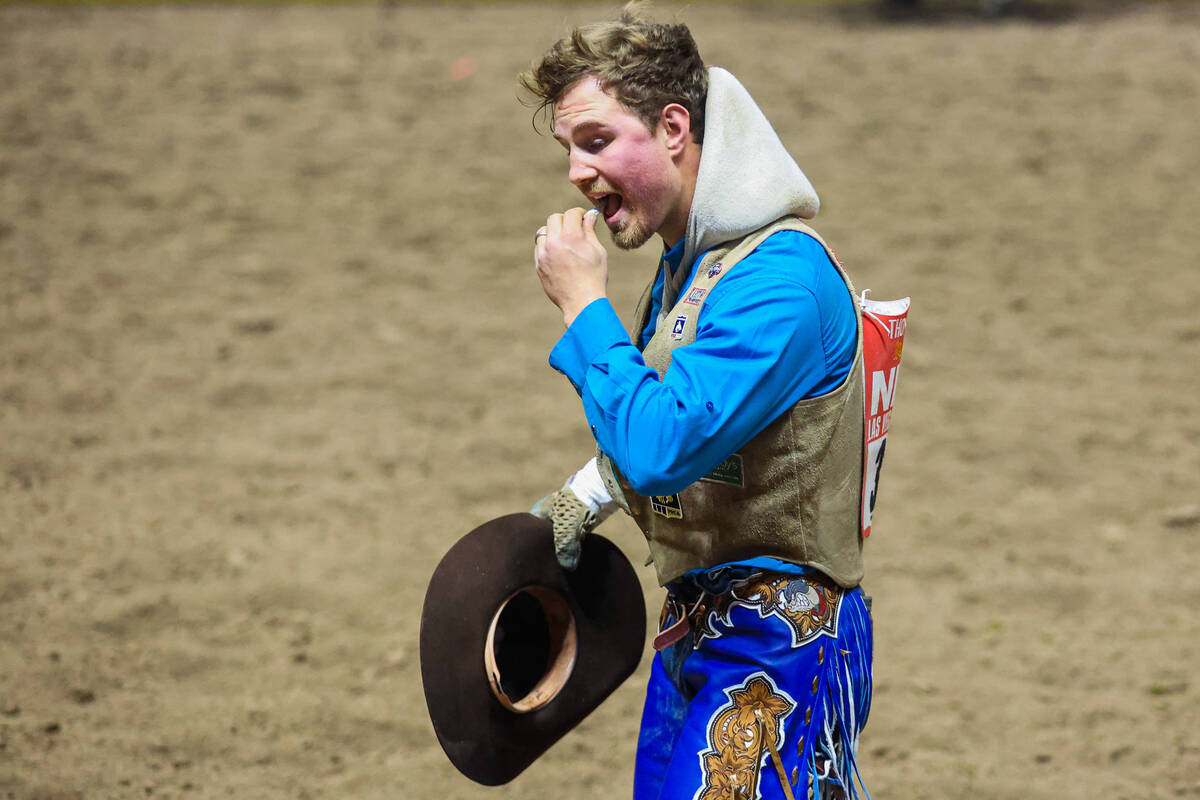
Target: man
point(730, 425)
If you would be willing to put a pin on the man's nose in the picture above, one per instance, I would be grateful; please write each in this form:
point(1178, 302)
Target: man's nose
point(581, 170)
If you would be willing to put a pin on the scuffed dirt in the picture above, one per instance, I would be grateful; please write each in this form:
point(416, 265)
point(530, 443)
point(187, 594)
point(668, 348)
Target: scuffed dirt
point(270, 341)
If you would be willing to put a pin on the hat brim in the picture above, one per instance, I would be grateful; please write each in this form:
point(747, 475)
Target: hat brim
point(485, 738)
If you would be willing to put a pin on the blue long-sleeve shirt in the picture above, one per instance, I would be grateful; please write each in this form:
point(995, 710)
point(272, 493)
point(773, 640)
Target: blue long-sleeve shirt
point(778, 328)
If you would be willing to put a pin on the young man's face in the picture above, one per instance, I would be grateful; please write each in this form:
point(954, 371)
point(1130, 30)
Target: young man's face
point(623, 168)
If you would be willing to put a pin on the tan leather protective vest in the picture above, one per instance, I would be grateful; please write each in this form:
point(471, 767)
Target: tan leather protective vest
point(793, 492)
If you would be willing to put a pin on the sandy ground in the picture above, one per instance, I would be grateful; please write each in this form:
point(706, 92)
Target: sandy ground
point(270, 342)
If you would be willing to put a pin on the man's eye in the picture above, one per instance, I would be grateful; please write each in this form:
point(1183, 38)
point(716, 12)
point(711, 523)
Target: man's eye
point(596, 145)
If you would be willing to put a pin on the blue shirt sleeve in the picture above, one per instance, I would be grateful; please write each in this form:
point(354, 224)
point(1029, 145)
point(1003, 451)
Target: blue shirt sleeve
point(778, 328)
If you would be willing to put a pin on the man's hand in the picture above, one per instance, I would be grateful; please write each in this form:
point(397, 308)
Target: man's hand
point(570, 261)
point(571, 519)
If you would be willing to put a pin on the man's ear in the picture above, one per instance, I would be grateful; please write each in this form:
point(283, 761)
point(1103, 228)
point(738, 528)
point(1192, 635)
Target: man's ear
point(676, 125)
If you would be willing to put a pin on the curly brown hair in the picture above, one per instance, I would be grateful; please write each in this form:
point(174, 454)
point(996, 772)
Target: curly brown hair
point(646, 65)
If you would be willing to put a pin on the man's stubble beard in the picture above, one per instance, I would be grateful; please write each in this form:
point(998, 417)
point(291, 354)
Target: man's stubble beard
point(632, 235)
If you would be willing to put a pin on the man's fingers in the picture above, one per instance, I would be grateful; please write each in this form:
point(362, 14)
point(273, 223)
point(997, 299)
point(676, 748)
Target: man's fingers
point(539, 247)
point(573, 219)
point(561, 228)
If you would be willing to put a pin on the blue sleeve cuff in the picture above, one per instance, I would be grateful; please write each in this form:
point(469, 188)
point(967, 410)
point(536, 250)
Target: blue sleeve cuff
point(594, 331)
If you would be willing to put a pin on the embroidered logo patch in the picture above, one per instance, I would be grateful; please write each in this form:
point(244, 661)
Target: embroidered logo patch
point(714, 270)
point(737, 738)
point(677, 328)
point(728, 471)
point(695, 296)
point(667, 506)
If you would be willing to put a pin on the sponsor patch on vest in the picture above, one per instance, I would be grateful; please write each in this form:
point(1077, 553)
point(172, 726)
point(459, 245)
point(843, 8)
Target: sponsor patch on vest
point(695, 296)
point(728, 471)
point(677, 328)
point(667, 506)
point(714, 270)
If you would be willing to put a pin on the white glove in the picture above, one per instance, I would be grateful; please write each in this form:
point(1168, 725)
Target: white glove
point(574, 510)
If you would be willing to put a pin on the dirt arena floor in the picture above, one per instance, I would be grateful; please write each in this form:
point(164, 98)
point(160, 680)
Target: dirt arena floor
point(270, 341)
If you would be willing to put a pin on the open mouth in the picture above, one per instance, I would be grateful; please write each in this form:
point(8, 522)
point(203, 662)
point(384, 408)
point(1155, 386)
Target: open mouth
point(609, 205)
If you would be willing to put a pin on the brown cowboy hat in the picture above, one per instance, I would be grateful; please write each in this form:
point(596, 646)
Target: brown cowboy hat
point(516, 651)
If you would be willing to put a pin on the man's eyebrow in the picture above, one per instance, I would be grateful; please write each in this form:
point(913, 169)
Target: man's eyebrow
point(582, 127)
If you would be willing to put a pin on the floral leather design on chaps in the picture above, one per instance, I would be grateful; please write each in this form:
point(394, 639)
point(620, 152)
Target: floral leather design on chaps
point(737, 738)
